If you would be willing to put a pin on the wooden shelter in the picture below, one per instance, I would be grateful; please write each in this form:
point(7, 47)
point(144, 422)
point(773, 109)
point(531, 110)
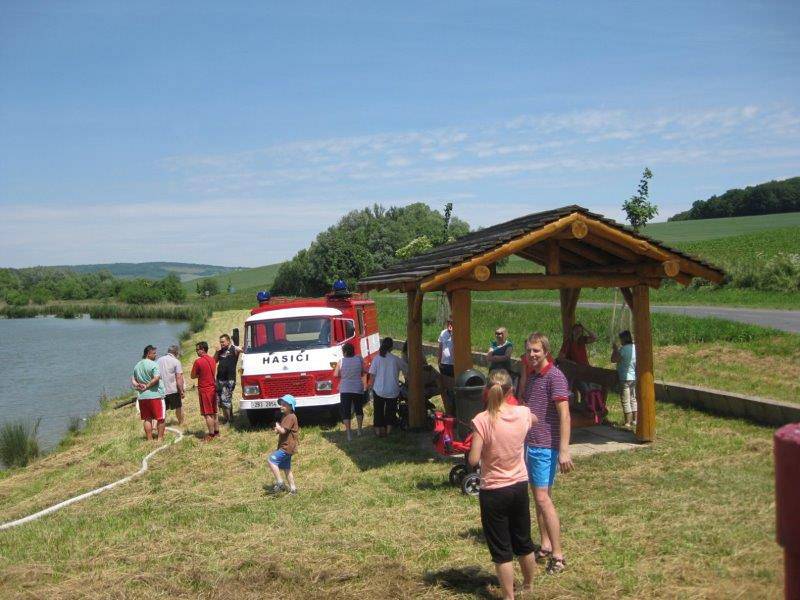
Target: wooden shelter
point(577, 248)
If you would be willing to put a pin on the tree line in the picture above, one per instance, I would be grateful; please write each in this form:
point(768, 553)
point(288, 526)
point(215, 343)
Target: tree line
point(364, 241)
point(40, 285)
point(763, 199)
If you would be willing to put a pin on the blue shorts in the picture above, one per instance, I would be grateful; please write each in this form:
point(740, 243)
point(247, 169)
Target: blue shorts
point(542, 465)
point(281, 459)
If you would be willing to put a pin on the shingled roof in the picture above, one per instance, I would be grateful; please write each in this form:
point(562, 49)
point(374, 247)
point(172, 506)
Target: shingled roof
point(411, 272)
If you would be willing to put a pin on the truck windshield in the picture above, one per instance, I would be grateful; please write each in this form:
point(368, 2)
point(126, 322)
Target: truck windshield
point(280, 335)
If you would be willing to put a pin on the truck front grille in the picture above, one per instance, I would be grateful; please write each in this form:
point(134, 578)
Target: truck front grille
point(275, 387)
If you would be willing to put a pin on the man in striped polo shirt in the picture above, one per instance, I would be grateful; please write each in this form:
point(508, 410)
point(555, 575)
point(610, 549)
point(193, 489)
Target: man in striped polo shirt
point(546, 393)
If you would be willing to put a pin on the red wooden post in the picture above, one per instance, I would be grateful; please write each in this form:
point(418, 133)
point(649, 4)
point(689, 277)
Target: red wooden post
point(787, 504)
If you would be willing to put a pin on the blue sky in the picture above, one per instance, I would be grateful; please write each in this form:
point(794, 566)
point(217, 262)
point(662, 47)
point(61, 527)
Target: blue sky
point(232, 133)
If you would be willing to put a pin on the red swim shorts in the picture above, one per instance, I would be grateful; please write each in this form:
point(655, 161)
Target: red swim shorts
point(152, 408)
point(208, 400)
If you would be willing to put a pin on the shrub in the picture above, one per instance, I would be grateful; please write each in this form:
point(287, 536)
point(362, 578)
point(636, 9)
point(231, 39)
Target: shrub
point(207, 287)
point(779, 273)
point(140, 291)
point(15, 298)
point(41, 295)
point(18, 444)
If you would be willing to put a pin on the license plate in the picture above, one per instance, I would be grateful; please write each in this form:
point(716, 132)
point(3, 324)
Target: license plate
point(264, 404)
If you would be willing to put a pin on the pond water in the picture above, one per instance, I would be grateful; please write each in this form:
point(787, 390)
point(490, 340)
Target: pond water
point(57, 369)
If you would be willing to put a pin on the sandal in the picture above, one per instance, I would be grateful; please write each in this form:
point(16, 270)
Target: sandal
point(541, 555)
point(555, 565)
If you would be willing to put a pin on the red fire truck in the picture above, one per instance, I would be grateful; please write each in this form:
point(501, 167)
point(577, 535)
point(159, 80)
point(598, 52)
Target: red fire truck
point(291, 346)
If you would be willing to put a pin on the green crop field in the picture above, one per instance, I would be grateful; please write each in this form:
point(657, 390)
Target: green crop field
point(757, 246)
point(678, 232)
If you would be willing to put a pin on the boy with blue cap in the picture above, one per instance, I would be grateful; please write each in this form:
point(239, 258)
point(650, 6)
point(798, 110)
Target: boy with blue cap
point(281, 459)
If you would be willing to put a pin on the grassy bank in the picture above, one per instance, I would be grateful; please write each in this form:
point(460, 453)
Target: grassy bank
point(375, 518)
point(69, 310)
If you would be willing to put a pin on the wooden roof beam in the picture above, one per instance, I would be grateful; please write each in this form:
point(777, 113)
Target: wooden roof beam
point(626, 240)
point(438, 280)
point(527, 281)
point(612, 248)
point(567, 257)
point(588, 252)
point(670, 268)
point(645, 248)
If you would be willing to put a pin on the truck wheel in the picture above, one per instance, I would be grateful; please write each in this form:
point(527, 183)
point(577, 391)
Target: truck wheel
point(334, 414)
point(258, 418)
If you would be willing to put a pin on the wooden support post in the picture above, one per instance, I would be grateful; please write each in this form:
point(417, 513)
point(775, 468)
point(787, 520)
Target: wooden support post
point(628, 295)
point(462, 340)
point(416, 393)
point(569, 303)
point(553, 257)
point(645, 380)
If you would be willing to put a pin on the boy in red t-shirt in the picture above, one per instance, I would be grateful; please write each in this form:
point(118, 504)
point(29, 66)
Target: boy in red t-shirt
point(204, 370)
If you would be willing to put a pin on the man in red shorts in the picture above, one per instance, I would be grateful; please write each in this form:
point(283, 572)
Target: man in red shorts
point(204, 370)
point(150, 393)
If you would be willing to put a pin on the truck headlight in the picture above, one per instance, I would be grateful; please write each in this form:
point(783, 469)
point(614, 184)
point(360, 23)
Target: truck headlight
point(250, 390)
point(325, 385)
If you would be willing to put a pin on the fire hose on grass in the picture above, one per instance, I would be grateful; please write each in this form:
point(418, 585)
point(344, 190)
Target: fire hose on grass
point(94, 492)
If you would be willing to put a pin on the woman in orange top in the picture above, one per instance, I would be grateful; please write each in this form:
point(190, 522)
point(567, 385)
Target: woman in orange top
point(497, 444)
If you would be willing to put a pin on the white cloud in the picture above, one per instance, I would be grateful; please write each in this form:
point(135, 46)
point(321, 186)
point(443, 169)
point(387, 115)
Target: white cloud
point(267, 203)
point(589, 139)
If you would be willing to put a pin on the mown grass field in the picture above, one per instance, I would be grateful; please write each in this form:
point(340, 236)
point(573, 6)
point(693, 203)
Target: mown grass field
point(691, 515)
point(711, 352)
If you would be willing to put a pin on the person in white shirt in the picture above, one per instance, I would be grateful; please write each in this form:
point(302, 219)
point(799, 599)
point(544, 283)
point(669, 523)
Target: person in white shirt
point(384, 382)
point(169, 366)
point(446, 366)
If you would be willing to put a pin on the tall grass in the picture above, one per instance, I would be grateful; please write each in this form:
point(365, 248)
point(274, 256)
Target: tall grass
point(18, 443)
point(177, 312)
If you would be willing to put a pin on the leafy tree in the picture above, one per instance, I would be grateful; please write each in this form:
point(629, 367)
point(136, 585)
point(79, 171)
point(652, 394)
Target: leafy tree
point(207, 286)
point(9, 281)
point(766, 198)
point(71, 288)
point(294, 276)
point(417, 246)
point(171, 288)
point(362, 242)
point(41, 294)
point(638, 208)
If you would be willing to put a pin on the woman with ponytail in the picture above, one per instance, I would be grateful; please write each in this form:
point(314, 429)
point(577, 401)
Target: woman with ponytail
point(498, 446)
point(384, 382)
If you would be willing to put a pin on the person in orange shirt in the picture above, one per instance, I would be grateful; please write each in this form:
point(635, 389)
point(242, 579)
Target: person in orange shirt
point(498, 446)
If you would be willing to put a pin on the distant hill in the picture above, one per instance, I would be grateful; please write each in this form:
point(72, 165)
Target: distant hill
point(763, 199)
point(153, 270)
